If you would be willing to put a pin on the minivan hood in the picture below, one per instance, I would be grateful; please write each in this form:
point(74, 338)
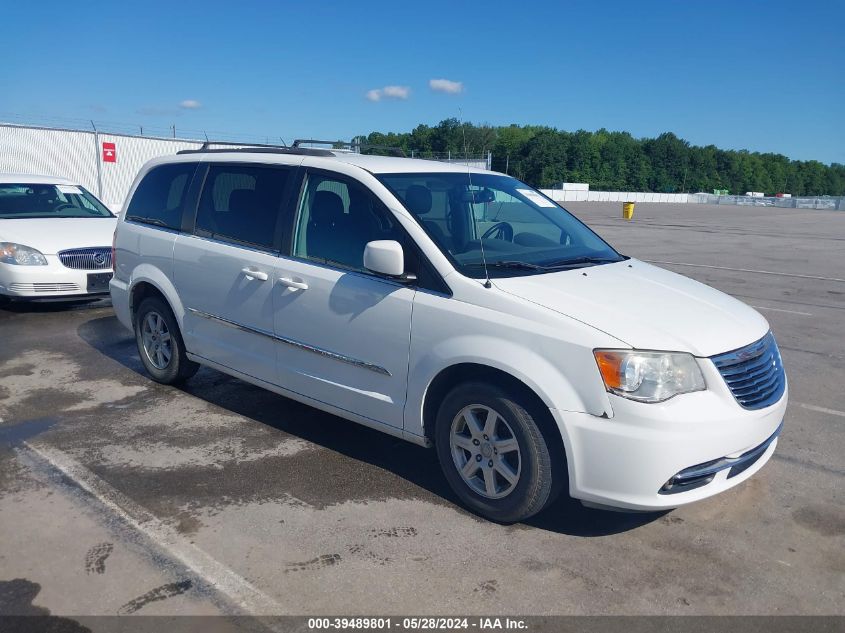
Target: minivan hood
point(51, 235)
point(645, 306)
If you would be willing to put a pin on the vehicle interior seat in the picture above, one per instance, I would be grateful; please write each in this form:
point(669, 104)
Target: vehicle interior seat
point(47, 197)
point(333, 234)
point(244, 217)
point(418, 200)
point(362, 214)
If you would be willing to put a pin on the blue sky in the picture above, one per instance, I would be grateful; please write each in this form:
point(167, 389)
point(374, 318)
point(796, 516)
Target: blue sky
point(765, 76)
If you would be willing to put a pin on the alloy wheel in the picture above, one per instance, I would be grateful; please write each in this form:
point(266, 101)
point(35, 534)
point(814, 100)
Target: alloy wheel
point(156, 340)
point(485, 451)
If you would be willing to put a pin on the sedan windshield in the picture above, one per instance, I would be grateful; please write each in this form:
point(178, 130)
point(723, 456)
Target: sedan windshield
point(479, 219)
point(21, 201)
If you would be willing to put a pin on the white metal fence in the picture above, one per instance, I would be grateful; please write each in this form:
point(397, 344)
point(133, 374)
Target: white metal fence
point(822, 202)
point(475, 163)
point(566, 195)
point(80, 156)
point(833, 204)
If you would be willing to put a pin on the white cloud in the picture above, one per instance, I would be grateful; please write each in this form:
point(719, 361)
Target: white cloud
point(446, 85)
point(396, 92)
point(190, 104)
point(388, 92)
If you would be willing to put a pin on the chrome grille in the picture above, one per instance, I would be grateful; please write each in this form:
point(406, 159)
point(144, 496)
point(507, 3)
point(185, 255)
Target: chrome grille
point(98, 258)
point(44, 287)
point(754, 373)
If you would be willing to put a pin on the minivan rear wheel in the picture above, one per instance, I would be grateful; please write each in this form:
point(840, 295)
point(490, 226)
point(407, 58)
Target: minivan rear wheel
point(160, 344)
point(493, 452)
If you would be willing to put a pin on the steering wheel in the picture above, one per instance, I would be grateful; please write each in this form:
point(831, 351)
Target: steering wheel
point(64, 205)
point(499, 231)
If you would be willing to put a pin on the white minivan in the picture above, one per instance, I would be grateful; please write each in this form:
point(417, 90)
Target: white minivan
point(452, 307)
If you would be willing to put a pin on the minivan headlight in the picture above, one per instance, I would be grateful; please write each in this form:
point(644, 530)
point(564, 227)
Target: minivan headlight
point(648, 376)
point(11, 253)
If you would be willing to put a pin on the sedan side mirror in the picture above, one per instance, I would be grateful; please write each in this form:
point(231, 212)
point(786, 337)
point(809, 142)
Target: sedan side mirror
point(385, 257)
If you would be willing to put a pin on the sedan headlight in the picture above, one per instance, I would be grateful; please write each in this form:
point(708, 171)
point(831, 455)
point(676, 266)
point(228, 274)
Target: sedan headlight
point(648, 376)
point(11, 253)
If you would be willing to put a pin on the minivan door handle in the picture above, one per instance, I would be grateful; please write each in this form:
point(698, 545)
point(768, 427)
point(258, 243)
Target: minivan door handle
point(290, 283)
point(252, 273)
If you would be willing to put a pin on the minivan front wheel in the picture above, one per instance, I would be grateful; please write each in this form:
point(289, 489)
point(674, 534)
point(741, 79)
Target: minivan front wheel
point(160, 344)
point(493, 452)
point(485, 451)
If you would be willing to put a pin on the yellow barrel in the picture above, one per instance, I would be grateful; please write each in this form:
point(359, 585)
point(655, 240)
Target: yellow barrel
point(628, 210)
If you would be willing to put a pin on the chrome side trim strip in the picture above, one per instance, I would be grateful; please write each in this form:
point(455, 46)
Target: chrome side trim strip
point(289, 341)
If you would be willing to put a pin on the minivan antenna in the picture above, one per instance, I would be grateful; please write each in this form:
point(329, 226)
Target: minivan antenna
point(487, 283)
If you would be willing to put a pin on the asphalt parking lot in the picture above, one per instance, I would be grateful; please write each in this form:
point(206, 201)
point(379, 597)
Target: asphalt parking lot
point(119, 495)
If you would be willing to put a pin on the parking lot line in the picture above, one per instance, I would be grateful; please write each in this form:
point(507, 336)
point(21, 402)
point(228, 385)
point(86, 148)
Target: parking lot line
point(782, 310)
point(745, 270)
point(813, 407)
point(245, 596)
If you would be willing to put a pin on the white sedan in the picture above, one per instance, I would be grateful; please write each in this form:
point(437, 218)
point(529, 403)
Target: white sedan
point(55, 240)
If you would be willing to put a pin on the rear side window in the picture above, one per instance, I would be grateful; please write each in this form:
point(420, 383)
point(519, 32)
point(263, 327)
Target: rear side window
point(242, 203)
point(160, 197)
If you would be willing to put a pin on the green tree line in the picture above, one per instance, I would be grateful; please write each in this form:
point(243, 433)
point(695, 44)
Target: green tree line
point(616, 161)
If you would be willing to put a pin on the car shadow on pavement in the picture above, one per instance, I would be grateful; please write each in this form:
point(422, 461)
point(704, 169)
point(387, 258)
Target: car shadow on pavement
point(410, 462)
point(25, 307)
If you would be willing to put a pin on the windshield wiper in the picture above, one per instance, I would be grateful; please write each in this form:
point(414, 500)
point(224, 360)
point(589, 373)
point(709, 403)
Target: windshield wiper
point(558, 265)
point(580, 261)
point(509, 265)
point(143, 220)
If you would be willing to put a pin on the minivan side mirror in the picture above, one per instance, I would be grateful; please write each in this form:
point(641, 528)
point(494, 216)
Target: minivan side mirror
point(385, 257)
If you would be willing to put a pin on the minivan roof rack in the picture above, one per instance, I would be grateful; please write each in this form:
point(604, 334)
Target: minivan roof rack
point(396, 151)
point(255, 148)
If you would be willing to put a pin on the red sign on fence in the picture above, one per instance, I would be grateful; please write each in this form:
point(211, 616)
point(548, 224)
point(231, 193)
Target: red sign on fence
point(109, 153)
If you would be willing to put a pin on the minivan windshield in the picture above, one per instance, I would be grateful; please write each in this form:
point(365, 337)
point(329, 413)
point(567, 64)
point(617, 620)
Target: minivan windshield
point(476, 218)
point(23, 200)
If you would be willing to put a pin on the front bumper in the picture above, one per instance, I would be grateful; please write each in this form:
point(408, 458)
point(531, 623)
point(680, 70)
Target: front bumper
point(53, 282)
point(702, 474)
point(631, 460)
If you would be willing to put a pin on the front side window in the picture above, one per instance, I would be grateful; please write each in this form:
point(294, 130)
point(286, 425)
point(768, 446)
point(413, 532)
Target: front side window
point(160, 195)
point(497, 220)
point(23, 200)
point(337, 218)
point(242, 203)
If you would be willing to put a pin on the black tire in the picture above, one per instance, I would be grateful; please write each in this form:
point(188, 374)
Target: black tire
point(541, 466)
point(177, 368)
